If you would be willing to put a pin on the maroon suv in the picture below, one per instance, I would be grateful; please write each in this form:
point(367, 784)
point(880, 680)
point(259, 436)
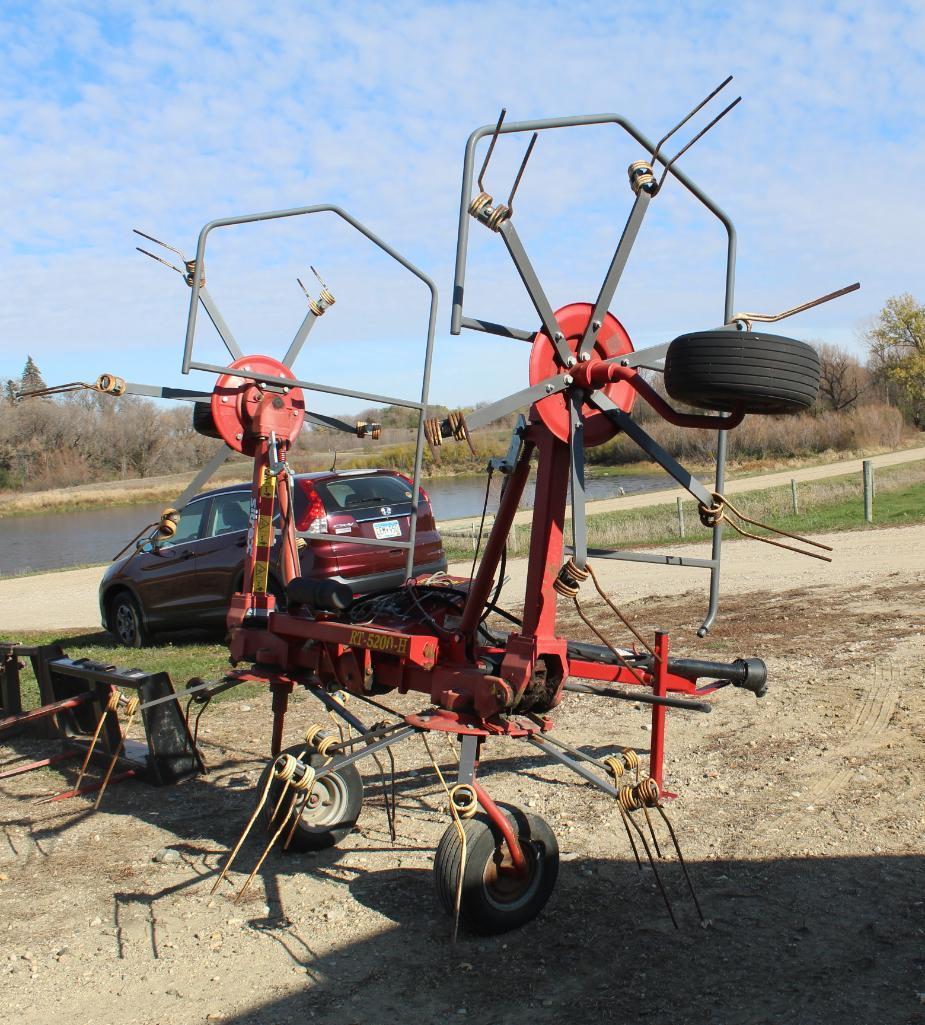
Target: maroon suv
point(189, 579)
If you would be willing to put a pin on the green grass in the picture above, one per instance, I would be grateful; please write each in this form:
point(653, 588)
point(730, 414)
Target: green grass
point(832, 504)
point(181, 658)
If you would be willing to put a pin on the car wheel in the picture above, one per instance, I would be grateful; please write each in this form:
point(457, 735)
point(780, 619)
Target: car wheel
point(742, 370)
point(126, 622)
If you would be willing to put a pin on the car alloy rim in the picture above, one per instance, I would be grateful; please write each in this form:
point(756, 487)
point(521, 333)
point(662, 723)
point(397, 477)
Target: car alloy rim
point(126, 626)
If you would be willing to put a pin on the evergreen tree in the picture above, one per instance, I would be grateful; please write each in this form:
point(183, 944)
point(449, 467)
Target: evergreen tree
point(31, 376)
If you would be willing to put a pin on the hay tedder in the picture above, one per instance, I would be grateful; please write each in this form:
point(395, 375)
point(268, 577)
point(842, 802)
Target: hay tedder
point(441, 636)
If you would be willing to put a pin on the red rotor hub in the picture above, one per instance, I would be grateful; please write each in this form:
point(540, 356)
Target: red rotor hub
point(612, 340)
point(246, 411)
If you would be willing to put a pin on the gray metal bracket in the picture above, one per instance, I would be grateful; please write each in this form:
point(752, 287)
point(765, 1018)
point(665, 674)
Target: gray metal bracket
point(197, 291)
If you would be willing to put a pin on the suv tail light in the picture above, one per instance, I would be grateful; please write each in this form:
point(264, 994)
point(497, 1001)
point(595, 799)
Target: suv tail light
point(421, 492)
point(314, 520)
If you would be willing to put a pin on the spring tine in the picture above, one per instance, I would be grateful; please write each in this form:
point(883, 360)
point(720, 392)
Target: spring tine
point(658, 878)
point(160, 259)
point(237, 847)
point(699, 135)
point(158, 242)
point(267, 849)
point(629, 833)
point(687, 118)
point(491, 147)
point(771, 318)
point(658, 851)
point(520, 173)
point(677, 848)
point(321, 280)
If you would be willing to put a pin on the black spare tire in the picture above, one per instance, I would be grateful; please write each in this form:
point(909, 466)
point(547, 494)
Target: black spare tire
point(742, 370)
point(203, 421)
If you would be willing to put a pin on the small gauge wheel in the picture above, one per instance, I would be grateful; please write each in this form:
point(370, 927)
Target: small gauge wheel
point(495, 898)
point(332, 810)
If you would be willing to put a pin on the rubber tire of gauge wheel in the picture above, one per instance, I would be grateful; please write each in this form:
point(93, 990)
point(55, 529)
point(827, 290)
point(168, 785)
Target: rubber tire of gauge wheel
point(492, 902)
point(127, 623)
point(340, 796)
point(203, 421)
point(742, 370)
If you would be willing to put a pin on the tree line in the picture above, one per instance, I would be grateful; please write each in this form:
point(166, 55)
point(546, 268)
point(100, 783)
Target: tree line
point(84, 437)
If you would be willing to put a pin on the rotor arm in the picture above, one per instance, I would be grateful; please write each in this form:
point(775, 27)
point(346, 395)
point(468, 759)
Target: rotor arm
point(617, 266)
point(651, 447)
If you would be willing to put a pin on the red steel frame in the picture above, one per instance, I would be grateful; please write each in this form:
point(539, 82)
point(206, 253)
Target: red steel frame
point(286, 648)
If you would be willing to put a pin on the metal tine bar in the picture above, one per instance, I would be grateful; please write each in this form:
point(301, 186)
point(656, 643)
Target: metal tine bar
point(651, 447)
point(615, 272)
point(520, 173)
point(157, 241)
point(699, 135)
point(687, 118)
point(204, 474)
point(491, 147)
point(534, 289)
point(577, 460)
point(321, 280)
point(295, 346)
point(768, 318)
point(524, 397)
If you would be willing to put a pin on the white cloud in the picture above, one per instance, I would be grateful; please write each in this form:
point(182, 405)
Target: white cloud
point(115, 116)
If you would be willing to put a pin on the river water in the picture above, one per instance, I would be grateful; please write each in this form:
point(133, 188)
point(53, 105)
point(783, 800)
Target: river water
point(79, 537)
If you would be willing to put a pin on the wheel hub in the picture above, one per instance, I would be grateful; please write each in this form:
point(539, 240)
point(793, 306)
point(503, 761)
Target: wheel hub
point(245, 410)
point(612, 340)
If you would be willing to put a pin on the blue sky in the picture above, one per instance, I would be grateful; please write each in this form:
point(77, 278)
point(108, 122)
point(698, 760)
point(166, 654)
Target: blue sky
point(114, 116)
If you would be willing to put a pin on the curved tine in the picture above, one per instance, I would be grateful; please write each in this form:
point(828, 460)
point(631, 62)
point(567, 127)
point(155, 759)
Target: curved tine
point(661, 142)
point(160, 259)
point(157, 241)
point(491, 146)
point(699, 135)
point(520, 173)
point(768, 318)
point(526, 397)
point(204, 474)
point(577, 459)
point(321, 280)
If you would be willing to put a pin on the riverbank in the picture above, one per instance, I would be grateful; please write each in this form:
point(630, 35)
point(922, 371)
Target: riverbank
point(166, 488)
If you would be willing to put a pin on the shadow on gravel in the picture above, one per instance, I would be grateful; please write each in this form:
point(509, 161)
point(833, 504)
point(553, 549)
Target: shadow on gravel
point(789, 942)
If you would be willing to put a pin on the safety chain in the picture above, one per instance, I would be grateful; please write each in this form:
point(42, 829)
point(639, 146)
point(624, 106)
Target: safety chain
point(713, 515)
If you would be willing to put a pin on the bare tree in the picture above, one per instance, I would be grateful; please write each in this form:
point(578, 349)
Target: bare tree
point(842, 377)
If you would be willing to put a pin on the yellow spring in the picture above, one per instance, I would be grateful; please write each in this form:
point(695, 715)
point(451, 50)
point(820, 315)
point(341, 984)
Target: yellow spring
point(644, 794)
point(463, 798)
point(641, 176)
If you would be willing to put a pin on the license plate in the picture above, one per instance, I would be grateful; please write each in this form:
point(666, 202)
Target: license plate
point(386, 528)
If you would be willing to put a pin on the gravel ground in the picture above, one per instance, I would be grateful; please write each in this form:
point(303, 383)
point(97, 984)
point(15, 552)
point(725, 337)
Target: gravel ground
point(800, 816)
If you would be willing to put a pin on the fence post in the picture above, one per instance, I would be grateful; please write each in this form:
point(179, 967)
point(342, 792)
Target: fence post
point(680, 518)
point(793, 496)
point(868, 491)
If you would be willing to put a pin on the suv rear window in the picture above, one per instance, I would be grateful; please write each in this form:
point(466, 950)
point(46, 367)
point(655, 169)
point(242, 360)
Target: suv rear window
point(347, 494)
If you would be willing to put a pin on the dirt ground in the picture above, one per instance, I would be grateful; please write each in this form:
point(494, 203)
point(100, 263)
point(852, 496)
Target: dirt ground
point(801, 817)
